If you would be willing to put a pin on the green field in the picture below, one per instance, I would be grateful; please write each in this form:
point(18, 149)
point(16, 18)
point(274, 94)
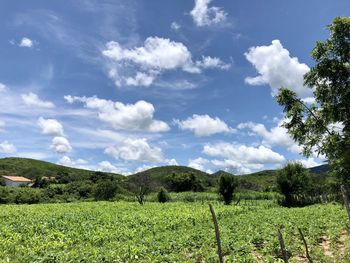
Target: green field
point(170, 232)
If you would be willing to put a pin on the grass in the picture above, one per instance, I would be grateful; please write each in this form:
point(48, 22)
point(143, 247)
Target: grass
point(170, 232)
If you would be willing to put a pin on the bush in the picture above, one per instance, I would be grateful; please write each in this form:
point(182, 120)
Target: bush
point(105, 190)
point(294, 183)
point(185, 182)
point(227, 185)
point(163, 196)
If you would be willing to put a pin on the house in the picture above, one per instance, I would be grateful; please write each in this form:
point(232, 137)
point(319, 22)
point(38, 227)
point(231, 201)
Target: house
point(16, 181)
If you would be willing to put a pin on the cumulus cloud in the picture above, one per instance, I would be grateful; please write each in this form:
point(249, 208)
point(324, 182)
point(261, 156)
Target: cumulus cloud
point(26, 42)
point(203, 15)
point(278, 69)
point(244, 154)
point(134, 117)
point(60, 145)
point(172, 162)
point(277, 135)
point(67, 161)
point(7, 148)
point(198, 163)
point(212, 62)
point(107, 167)
point(310, 162)
point(139, 66)
point(32, 99)
point(135, 150)
point(3, 87)
point(237, 166)
point(50, 127)
point(204, 125)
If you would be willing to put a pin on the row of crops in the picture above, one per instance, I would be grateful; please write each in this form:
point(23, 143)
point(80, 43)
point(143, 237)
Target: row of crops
point(171, 232)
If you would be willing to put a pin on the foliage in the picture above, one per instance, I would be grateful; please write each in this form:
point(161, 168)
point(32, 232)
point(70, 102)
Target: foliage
point(174, 232)
point(324, 126)
point(105, 190)
point(163, 195)
point(294, 183)
point(227, 185)
point(185, 182)
point(2, 182)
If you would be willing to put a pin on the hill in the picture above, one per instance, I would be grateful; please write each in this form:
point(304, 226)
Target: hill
point(159, 176)
point(31, 168)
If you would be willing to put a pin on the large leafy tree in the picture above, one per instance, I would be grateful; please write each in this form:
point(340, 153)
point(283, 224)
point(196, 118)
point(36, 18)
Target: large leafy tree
point(324, 126)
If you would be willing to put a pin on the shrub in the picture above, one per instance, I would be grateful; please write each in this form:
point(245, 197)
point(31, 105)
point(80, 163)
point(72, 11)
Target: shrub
point(185, 182)
point(294, 183)
point(163, 195)
point(227, 185)
point(105, 190)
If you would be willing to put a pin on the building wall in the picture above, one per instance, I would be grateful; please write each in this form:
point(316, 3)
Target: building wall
point(15, 184)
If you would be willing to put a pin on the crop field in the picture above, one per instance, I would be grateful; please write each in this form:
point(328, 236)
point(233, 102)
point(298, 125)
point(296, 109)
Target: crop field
point(170, 232)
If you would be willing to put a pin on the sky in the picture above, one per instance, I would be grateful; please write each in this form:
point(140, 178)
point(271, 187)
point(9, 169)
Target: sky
point(123, 86)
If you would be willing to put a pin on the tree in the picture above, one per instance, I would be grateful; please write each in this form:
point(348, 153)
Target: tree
point(294, 183)
point(163, 195)
point(227, 185)
point(323, 127)
point(140, 186)
point(105, 190)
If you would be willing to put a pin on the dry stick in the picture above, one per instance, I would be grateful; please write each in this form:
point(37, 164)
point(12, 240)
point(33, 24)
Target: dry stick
point(283, 248)
point(217, 233)
point(305, 244)
point(346, 200)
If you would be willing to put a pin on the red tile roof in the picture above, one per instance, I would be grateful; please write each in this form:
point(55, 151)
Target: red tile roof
point(17, 178)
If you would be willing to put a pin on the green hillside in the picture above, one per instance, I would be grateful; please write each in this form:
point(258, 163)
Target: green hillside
point(31, 168)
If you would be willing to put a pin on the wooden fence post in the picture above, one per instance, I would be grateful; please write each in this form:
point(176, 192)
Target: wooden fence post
point(346, 200)
point(305, 244)
point(217, 233)
point(283, 248)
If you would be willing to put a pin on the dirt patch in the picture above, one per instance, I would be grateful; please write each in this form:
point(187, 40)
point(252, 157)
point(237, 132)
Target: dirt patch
point(256, 256)
point(325, 244)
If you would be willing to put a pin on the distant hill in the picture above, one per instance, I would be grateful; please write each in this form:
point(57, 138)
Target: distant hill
point(159, 175)
point(31, 168)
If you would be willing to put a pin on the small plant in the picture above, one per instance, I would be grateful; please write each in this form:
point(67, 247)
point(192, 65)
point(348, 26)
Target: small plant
point(227, 185)
point(163, 195)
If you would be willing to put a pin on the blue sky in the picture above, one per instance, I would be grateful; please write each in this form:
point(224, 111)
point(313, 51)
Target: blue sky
point(122, 86)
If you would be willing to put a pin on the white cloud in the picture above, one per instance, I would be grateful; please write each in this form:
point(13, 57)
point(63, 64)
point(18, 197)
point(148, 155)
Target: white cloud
point(134, 117)
point(50, 127)
point(141, 79)
point(135, 150)
point(7, 148)
point(67, 161)
point(60, 145)
point(107, 167)
point(3, 87)
point(198, 163)
point(32, 99)
point(172, 162)
point(139, 66)
point(203, 125)
point(203, 15)
point(237, 166)
point(212, 62)
point(26, 42)
point(244, 154)
point(308, 163)
point(175, 26)
point(275, 136)
point(278, 69)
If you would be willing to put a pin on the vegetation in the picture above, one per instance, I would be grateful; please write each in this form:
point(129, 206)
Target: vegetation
point(294, 183)
point(175, 232)
point(163, 195)
point(324, 126)
point(227, 185)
